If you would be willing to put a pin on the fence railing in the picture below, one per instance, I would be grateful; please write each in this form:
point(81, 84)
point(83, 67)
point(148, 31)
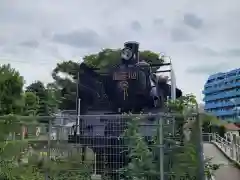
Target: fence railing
point(229, 148)
point(55, 147)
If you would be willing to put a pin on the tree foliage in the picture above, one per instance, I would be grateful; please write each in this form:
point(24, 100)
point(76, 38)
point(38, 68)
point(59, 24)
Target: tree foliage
point(142, 165)
point(35, 100)
point(11, 88)
point(106, 59)
point(31, 102)
point(180, 163)
point(47, 98)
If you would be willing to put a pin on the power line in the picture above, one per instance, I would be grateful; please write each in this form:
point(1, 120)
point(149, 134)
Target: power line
point(27, 62)
point(31, 63)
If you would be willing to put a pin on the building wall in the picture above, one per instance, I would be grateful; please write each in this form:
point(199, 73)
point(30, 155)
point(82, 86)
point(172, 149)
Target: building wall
point(64, 117)
point(219, 92)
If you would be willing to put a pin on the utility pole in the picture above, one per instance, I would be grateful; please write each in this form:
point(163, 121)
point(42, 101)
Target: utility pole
point(173, 83)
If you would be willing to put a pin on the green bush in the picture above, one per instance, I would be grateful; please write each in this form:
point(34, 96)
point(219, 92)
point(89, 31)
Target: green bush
point(206, 127)
point(19, 162)
point(145, 160)
point(179, 161)
point(221, 131)
point(142, 165)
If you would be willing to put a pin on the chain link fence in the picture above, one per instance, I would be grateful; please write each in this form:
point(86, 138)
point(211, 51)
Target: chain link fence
point(145, 147)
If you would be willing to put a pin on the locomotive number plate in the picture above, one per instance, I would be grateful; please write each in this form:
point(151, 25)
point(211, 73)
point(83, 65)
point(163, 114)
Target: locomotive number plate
point(123, 76)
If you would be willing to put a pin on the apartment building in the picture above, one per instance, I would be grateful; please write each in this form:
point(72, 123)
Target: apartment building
point(222, 95)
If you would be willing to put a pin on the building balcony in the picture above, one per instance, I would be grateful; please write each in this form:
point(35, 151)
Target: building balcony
point(221, 88)
point(232, 114)
point(222, 95)
point(217, 105)
point(227, 79)
point(224, 112)
point(223, 104)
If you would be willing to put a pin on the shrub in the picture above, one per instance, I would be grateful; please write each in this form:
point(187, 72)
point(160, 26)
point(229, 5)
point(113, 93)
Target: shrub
point(221, 131)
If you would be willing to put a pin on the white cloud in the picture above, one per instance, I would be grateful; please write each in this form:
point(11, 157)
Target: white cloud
point(196, 34)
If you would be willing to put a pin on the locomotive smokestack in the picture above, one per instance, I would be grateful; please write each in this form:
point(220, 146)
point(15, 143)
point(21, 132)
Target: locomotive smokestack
point(134, 46)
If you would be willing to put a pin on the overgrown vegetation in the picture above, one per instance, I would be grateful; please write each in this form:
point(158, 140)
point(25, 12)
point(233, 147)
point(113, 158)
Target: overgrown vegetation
point(180, 161)
point(211, 124)
point(28, 159)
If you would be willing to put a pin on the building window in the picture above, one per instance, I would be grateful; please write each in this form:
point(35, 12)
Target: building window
point(221, 78)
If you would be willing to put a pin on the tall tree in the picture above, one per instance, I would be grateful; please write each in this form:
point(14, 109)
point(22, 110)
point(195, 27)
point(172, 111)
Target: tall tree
point(46, 96)
point(31, 103)
point(40, 91)
point(11, 88)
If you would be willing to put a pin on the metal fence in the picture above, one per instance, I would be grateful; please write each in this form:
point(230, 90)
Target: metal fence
point(229, 146)
point(146, 147)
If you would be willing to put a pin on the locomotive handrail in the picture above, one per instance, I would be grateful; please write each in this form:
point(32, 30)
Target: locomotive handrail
point(162, 71)
point(160, 64)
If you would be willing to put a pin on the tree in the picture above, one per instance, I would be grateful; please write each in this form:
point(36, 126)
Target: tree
point(108, 58)
point(183, 104)
point(46, 96)
point(39, 90)
point(65, 74)
point(11, 88)
point(186, 160)
point(31, 101)
point(141, 165)
point(145, 159)
point(53, 99)
point(222, 131)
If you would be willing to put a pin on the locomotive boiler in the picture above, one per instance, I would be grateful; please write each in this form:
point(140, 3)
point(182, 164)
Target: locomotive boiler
point(131, 86)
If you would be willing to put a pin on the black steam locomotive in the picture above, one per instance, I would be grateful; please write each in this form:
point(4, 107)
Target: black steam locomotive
point(131, 86)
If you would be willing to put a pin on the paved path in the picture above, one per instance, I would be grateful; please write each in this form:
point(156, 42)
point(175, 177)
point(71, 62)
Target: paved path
point(227, 171)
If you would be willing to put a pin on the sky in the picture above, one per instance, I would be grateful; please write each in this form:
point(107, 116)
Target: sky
point(201, 37)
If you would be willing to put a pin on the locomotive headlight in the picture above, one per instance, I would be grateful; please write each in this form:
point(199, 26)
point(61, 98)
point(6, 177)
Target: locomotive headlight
point(126, 54)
